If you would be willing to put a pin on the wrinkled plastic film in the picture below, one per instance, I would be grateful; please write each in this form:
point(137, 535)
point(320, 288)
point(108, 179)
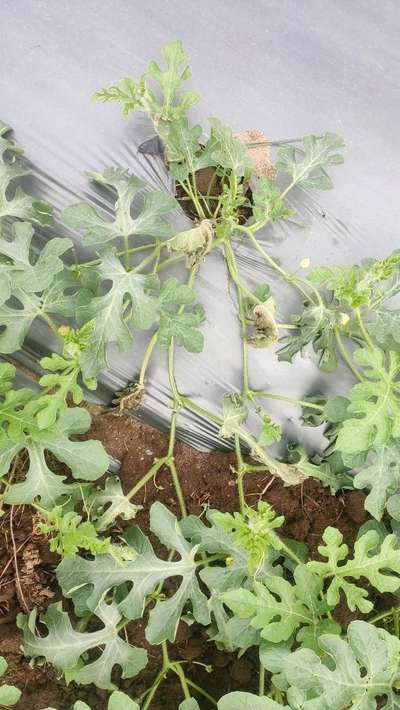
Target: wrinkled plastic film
point(63, 137)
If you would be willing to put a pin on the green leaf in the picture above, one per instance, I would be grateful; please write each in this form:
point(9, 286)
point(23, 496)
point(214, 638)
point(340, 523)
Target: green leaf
point(381, 476)
point(359, 673)
point(128, 302)
point(247, 701)
point(278, 608)
point(178, 323)
point(316, 325)
point(121, 701)
point(87, 460)
point(189, 704)
point(183, 147)
point(150, 220)
point(65, 370)
point(359, 285)
point(23, 280)
point(375, 562)
point(253, 531)
point(3, 665)
point(14, 202)
point(138, 95)
point(9, 695)
point(105, 505)
point(97, 577)
point(173, 105)
point(317, 152)
point(322, 471)
point(68, 533)
point(234, 413)
point(127, 92)
point(267, 202)
point(270, 432)
point(225, 150)
point(374, 409)
point(385, 327)
point(17, 263)
point(64, 647)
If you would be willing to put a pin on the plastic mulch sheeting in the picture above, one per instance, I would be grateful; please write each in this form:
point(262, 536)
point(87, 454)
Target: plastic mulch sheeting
point(284, 66)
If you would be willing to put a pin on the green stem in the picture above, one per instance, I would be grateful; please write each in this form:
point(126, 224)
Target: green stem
point(52, 325)
point(187, 187)
point(133, 250)
point(147, 357)
point(172, 467)
point(202, 692)
point(240, 475)
point(147, 477)
point(296, 282)
point(364, 330)
point(261, 681)
point(199, 410)
point(290, 400)
point(181, 675)
point(127, 259)
point(153, 689)
point(165, 655)
point(346, 357)
point(285, 548)
point(384, 615)
point(147, 260)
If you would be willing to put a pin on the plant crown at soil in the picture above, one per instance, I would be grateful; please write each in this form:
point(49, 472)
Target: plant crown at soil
point(237, 576)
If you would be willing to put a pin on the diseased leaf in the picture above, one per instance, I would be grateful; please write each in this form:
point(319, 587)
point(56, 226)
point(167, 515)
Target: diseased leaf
point(194, 243)
point(150, 220)
point(380, 565)
point(96, 577)
point(266, 330)
point(64, 647)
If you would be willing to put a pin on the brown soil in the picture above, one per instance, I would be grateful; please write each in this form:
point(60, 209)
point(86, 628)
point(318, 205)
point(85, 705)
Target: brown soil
point(207, 480)
point(206, 180)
